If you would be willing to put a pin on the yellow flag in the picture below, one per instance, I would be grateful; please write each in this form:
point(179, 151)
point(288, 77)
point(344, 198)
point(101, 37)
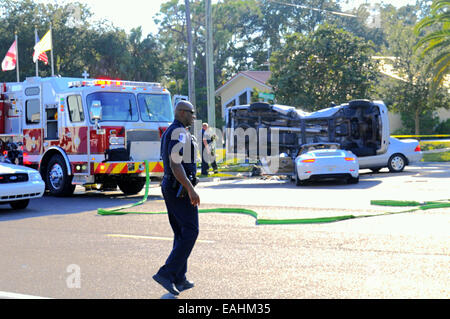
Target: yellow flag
point(44, 45)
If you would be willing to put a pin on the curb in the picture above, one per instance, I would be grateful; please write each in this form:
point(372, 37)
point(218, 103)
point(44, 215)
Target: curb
point(219, 178)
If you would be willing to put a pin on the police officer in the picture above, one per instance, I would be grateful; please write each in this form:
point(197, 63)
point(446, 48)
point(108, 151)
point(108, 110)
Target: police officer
point(178, 150)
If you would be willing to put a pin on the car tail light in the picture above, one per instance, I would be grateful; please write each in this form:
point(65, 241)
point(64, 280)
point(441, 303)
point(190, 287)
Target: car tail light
point(417, 149)
point(309, 160)
point(349, 159)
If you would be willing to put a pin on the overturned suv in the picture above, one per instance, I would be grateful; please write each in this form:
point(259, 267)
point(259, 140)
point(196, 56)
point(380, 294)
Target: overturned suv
point(279, 131)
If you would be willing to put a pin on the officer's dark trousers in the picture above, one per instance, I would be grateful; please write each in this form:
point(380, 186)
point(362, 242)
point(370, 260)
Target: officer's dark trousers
point(183, 218)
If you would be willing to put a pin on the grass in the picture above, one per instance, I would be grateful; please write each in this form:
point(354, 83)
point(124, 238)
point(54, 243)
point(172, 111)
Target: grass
point(216, 175)
point(433, 145)
point(436, 157)
point(231, 165)
point(443, 156)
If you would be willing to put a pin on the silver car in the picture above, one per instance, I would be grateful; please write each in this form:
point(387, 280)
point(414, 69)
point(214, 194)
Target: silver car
point(19, 184)
point(399, 154)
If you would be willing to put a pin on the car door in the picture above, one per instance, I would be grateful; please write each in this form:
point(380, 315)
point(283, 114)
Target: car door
point(375, 161)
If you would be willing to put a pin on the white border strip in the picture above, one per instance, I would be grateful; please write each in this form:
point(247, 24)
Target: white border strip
point(12, 295)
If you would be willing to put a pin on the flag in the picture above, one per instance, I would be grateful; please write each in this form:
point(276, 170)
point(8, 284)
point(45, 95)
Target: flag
point(43, 56)
point(44, 45)
point(9, 62)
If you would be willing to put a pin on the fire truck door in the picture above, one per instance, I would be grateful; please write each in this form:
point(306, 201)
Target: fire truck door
point(32, 125)
point(74, 128)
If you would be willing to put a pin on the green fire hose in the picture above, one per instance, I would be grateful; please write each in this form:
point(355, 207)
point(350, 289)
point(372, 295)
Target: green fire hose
point(260, 221)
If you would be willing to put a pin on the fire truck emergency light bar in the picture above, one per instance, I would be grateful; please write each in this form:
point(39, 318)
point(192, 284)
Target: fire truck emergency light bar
point(100, 82)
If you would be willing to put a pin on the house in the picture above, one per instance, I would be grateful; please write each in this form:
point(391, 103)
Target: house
point(238, 90)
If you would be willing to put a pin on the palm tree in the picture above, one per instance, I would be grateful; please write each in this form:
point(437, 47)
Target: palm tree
point(438, 40)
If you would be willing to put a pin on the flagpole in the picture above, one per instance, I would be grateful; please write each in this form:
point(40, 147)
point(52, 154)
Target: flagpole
point(37, 61)
point(17, 57)
point(51, 51)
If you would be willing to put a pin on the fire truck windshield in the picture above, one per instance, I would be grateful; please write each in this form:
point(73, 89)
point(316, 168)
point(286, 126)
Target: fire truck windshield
point(115, 106)
point(155, 107)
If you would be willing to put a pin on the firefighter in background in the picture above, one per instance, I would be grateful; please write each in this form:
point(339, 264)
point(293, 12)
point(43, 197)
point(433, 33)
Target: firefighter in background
point(178, 151)
point(209, 152)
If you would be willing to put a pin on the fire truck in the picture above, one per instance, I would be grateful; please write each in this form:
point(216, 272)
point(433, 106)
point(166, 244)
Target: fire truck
point(89, 132)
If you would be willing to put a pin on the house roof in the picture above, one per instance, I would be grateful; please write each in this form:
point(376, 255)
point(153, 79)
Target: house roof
point(262, 77)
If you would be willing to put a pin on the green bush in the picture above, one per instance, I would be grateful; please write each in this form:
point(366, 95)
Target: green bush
point(443, 127)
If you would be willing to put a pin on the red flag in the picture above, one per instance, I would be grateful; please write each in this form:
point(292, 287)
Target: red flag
point(9, 62)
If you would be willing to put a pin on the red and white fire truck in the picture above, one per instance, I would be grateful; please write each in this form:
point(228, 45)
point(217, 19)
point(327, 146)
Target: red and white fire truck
point(89, 132)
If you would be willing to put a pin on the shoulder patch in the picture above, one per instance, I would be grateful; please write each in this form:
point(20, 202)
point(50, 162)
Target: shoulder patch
point(182, 138)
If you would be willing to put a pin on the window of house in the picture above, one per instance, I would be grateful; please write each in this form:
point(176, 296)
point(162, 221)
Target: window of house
point(243, 98)
point(231, 103)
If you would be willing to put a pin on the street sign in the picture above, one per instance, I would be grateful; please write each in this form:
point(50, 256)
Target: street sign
point(266, 96)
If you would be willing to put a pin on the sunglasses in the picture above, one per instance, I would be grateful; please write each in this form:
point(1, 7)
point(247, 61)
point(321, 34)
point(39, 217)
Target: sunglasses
point(190, 111)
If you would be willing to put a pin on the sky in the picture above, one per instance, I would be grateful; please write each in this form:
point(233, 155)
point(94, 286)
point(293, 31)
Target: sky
point(129, 14)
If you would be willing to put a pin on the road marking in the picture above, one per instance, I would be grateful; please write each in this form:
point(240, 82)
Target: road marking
point(12, 295)
point(155, 238)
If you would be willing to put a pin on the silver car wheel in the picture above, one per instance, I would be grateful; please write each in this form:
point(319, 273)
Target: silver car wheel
point(397, 163)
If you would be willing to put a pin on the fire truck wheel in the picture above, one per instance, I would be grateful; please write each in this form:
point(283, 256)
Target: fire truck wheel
point(131, 187)
point(59, 183)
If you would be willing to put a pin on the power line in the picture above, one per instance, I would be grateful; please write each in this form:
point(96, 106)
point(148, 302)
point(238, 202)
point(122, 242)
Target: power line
point(315, 9)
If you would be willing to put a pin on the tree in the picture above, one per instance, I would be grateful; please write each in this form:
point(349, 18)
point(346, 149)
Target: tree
point(78, 43)
point(71, 41)
point(410, 94)
point(437, 40)
point(329, 65)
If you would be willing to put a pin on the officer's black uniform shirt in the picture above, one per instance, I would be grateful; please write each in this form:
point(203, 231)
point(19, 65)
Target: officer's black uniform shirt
point(178, 139)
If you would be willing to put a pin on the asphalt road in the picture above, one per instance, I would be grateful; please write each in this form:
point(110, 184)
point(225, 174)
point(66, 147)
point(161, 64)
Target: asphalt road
point(61, 247)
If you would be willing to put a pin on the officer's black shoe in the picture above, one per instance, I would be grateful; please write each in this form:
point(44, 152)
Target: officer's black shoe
point(167, 284)
point(184, 285)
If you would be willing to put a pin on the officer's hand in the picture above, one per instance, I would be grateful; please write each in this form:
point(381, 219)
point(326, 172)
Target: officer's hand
point(194, 197)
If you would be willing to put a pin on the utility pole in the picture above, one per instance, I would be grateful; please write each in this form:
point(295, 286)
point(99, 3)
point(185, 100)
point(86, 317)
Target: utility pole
point(210, 68)
point(191, 70)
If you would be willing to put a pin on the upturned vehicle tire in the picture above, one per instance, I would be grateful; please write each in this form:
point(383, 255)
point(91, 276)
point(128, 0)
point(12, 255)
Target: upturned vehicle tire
point(20, 204)
point(58, 181)
point(131, 187)
point(396, 163)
